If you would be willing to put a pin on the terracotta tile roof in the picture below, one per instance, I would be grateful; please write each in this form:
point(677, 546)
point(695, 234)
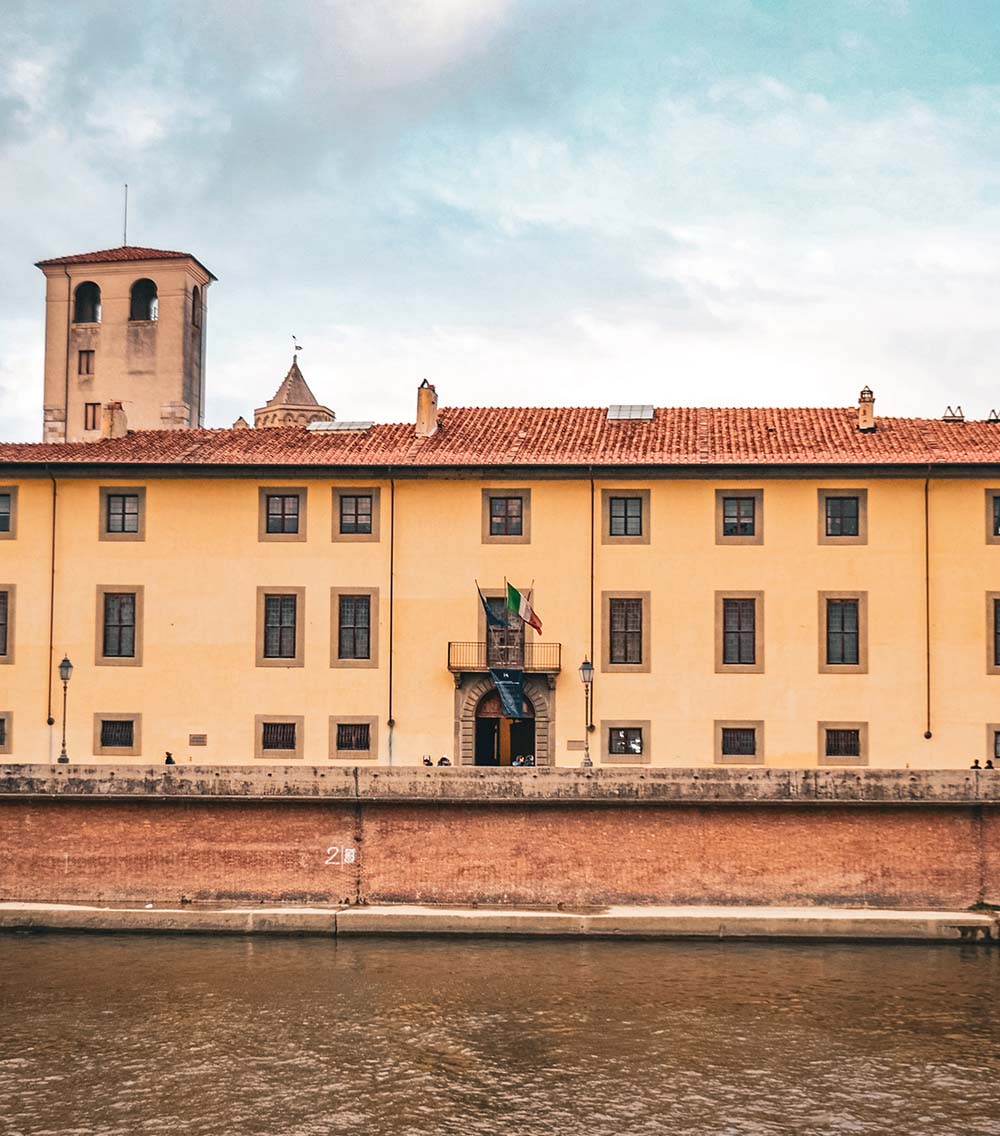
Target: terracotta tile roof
point(119, 255)
point(566, 436)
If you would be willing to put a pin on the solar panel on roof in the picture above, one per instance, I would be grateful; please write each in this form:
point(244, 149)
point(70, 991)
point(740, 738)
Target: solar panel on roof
point(340, 425)
point(632, 411)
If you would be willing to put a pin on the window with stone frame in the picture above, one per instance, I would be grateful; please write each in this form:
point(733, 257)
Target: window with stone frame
point(282, 513)
point(625, 516)
point(354, 627)
point(739, 741)
point(625, 740)
point(355, 513)
point(843, 633)
point(278, 736)
point(119, 625)
point(739, 516)
point(121, 513)
point(353, 736)
point(842, 516)
point(739, 632)
point(506, 516)
point(280, 626)
point(625, 626)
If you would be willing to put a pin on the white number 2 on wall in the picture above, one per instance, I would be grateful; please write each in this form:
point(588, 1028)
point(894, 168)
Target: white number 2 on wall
point(335, 855)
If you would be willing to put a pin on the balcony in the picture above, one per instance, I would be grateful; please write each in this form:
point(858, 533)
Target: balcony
point(534, 658)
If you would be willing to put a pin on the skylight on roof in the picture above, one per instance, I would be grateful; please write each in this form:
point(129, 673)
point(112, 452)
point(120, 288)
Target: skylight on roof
point(340, 426)
point(631, 411)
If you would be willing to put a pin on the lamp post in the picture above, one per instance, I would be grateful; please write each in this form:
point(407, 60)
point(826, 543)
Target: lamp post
point(65, 673)
point(587, 678)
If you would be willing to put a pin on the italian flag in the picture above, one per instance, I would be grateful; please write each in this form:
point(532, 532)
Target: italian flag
point(518, 603)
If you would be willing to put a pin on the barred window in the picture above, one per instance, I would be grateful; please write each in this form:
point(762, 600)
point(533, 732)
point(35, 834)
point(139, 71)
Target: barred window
point(279, 626)
point(5, 512)
point(625, 515)
point(278, 735)
point(123, 513)
point(625, 618)
point(282, 513)
point(506, 516)
point(353, 736)
point(3, 730)
point(739, 631)
point(739, 741)
point(843, 743)
point(842, 634)
point(842, 516)
point(625, 740)
point(996, 743)
point(4, 621)
point(356, 514)
point(119, 625)
point(116, 733)
point(354, 639)
point(739, 516)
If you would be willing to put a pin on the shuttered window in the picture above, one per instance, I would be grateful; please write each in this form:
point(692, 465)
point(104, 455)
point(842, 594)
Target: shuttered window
point(354, 638)
point(739, 632)
point(119, 625)
point(625, 617)
point(279, 627)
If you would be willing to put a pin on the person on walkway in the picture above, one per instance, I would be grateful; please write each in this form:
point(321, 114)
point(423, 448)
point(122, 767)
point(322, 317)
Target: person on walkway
point(427, 759)
point(975, 764)
point(444, 760)
point(169, 759)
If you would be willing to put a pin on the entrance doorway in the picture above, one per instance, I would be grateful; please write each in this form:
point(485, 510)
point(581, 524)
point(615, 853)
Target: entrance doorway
point(499, 738)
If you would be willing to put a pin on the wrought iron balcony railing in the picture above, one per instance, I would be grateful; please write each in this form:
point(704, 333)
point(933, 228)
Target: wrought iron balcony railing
point(542, 658)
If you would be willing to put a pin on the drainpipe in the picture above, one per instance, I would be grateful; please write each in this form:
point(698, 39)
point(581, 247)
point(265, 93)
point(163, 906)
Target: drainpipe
point(927, 602)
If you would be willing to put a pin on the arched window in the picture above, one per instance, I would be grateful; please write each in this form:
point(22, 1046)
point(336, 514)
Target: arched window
point(196, 306)
point(144, 303)
point(87, 303)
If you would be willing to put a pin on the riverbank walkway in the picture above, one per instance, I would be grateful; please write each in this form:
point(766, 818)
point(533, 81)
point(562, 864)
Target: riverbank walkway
point(619, 922)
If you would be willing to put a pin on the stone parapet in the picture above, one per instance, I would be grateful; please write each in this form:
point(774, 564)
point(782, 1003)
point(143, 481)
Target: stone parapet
point(410, 784)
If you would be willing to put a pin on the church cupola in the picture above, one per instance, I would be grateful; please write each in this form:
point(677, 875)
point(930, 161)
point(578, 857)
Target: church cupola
point(293, 404)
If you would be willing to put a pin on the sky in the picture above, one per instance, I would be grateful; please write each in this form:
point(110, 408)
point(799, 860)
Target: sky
point(527, 202)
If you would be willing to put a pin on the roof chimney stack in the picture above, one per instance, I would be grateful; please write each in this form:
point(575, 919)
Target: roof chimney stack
point(427, 410)
point(114, 424)
point(866, 411)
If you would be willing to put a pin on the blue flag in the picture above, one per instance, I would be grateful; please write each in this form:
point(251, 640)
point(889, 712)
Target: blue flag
point(510, 687)
point(492, 619)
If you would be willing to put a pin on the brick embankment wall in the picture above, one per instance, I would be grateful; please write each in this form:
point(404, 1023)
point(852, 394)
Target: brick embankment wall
point(907, 843)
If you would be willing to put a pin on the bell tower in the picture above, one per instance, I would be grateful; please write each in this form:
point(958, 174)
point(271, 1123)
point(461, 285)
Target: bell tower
point(124, 325)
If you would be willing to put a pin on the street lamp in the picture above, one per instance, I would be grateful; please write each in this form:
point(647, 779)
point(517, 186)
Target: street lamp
point(587, 678)
point(65, 673)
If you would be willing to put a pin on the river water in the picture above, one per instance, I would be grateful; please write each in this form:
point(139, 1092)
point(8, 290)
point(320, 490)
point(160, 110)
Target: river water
point(305, 1037)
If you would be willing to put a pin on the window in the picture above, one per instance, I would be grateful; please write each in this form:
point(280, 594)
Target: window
point(993, 741)
point(117, 735)
point(843, 620)
point(143, 303)
point(626, 739)
point(85, 362)
point(504, 644)
point(196, 306)
point(626, 516)
point(119, 625)
point(506, 516)
point(6, 731)
point(739, 743)
point(739, 632)
point(842, 633)
point(87, 303)
point(625, 624)
point(353, 739)
point(91, 416)
point(280, 626)
point(993, 516)
point(8, 512)
point(843, 516)
point(354, 627)
point(739, 516)
point(281, 514)
point(625, 742)
point(843, 743)
point(6, 623)
point(123, 512)
point(993, 632)
point(278, 737)
point(354, 640)
point(355, 513)
point(626, 631)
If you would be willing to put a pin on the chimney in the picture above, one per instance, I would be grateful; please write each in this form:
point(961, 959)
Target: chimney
point(427, 410)
point(114, 424)
point(866, 411)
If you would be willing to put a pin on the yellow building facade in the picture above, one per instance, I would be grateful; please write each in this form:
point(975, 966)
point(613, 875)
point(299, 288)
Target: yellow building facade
point(725, 622)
